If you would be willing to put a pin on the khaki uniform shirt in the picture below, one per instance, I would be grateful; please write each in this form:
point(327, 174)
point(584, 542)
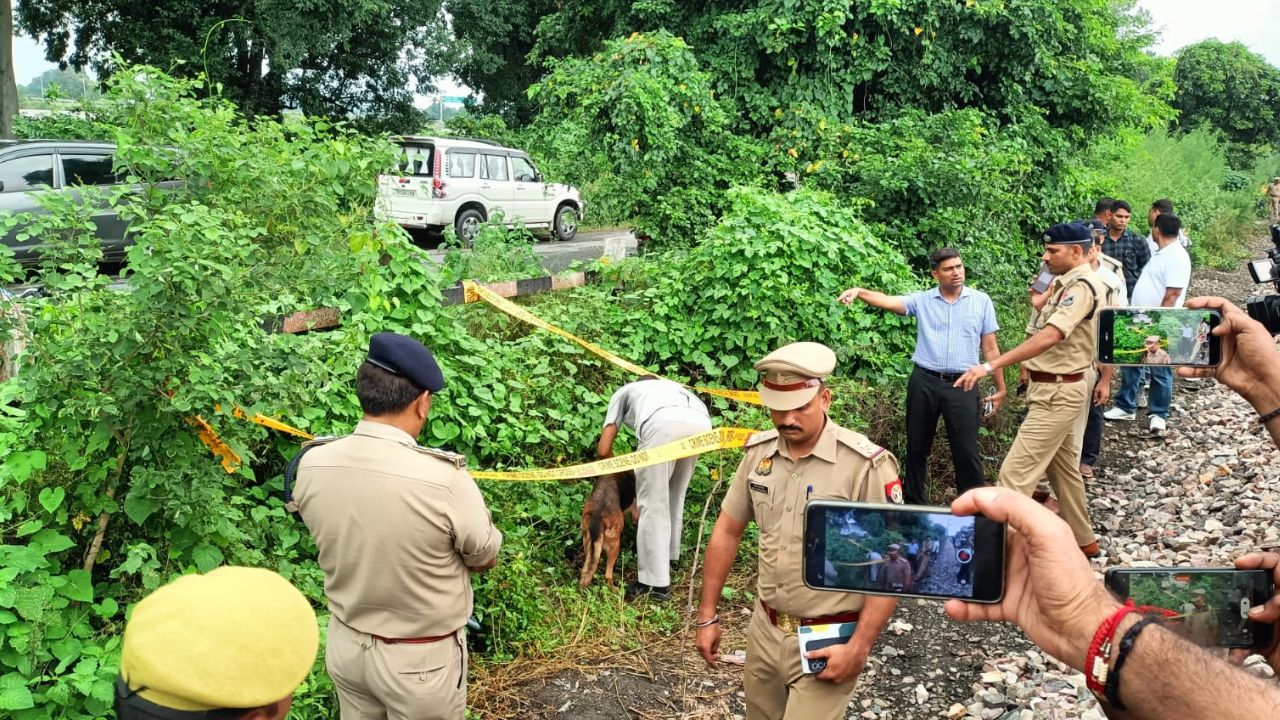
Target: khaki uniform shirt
point(1274, 191)
point(1156, 357)
point(898, 573)
point(770, 487)
point(1073, 299)
point(397, 525)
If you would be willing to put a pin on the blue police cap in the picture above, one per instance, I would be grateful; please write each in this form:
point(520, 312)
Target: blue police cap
point(1073, 233)
point(402, 355)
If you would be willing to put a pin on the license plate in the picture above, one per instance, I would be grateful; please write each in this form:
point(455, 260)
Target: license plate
point(410, 193)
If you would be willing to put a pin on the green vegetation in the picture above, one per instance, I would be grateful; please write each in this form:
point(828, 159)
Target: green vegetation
point(908, 125)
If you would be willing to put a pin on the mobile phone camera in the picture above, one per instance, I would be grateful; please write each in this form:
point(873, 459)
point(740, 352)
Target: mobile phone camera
point(1244, 607)
point(1266, 308)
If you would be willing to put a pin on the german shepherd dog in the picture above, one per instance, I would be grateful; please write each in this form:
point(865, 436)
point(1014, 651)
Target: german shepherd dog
point(602, 519)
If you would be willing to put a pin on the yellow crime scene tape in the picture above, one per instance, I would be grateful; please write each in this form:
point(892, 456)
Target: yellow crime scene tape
point(718, 439)
point(474, 292)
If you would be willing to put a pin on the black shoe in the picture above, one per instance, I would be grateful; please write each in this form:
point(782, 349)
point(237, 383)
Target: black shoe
point(639, 589)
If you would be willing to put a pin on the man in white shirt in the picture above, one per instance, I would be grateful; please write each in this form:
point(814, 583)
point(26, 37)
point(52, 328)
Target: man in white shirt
point(1161, 207)
point(1163, 283)
point(658, 411)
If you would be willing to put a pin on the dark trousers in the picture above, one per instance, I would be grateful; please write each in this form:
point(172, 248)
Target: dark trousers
point(1092, 434)
point(928, 397)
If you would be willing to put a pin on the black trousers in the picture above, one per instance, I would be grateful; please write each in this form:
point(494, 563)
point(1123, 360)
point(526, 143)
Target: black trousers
point(1092, 434)
point(929, 397)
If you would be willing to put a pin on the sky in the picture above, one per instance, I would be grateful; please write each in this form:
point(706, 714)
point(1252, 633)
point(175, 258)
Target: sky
point(1256, 23)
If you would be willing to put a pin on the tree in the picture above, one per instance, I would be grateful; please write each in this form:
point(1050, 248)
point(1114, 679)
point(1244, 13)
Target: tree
point(340, 58)
point(1226, 87)
point(65, 83)
point(495, 38)
point(8, 81)
point(1079, 61)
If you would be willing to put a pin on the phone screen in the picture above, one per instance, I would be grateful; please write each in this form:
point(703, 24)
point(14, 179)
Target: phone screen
point(1208, 606)
point(902, 550)
point(1158, 336)
point(1260, 270)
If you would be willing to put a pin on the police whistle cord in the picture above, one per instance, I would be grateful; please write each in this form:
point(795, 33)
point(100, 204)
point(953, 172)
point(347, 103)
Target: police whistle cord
point(474, 292)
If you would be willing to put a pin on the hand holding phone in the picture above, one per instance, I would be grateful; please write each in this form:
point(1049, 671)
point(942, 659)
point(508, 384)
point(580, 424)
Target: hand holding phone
point(1049, 589)
point(902, 550)
point(1159, 337)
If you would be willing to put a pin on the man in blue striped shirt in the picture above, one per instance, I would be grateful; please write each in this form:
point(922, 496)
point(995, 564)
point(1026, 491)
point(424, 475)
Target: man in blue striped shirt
point(953, 323)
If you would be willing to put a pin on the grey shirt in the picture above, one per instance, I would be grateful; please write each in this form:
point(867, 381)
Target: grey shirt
point(637, 403)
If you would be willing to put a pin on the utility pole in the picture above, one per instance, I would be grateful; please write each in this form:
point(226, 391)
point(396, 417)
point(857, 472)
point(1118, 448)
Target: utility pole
point(8, 80)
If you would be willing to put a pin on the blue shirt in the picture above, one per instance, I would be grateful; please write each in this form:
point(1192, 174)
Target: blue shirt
point(949, 334)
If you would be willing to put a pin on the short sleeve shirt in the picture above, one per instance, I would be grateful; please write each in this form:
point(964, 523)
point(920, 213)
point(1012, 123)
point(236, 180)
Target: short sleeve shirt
point(1169, 268)
point(949, 334)
point(771, 488)
point(396, 526)
point(1072, 305)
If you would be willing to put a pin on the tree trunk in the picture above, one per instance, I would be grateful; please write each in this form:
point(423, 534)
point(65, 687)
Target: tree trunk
point(8, 82)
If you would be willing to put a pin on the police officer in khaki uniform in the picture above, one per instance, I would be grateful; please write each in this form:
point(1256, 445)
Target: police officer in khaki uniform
point(1059, 359)
point(400, 528)
point(233, 643)
point(805, 456)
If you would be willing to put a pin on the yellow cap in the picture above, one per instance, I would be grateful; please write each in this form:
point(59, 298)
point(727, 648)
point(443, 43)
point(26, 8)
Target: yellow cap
point(792, 375)
point(236, 637)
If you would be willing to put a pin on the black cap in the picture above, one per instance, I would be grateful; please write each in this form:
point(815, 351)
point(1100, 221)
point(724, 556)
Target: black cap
point(402, 355)
point(1073, 233)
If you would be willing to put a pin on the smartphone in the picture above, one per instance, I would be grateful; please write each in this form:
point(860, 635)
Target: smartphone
point(1208, 606)
point(1043, 280)
point(1260, 270)
point(1159, 336)
point(909, 550)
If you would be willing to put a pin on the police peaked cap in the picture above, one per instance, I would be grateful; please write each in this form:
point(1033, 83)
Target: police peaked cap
point(402, 355)
point(1072, 233)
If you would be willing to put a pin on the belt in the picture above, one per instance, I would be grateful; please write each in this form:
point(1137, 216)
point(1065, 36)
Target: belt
point(949, 377)
point(413, 641)
point(788, 623)
point(1044, 377)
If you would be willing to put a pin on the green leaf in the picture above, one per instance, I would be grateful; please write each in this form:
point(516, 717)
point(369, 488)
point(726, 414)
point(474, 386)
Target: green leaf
point(79, 586)
point(16, 698)
point(107, 608)
point(206, 557)
point(139, 507)
point(51, 541)
point(51, 498)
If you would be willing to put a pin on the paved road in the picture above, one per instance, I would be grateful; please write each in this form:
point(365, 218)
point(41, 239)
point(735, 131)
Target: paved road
point(557, 256)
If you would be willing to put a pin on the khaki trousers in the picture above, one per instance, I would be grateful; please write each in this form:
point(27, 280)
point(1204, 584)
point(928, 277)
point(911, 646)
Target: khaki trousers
point(1048, 445)
point(775, 687)
point(403, 681)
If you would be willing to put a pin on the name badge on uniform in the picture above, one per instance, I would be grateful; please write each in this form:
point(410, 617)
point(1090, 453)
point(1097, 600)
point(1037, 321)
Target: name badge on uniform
point(761, 488)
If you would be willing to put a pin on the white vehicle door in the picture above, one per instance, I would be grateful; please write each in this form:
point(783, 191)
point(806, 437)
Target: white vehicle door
point(496, 187)
point(531, 204)
point(405, 193)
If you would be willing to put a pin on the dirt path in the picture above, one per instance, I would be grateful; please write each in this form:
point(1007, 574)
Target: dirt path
point(1202, 494)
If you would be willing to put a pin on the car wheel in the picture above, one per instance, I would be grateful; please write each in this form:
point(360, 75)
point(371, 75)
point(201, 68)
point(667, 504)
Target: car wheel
point(467, 225)
point(566, 224)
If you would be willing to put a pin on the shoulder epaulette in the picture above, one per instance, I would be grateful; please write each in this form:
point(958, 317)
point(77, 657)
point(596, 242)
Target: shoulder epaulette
point(860, 444)
point(291, 470)
point(761, 437)
point(459, 461)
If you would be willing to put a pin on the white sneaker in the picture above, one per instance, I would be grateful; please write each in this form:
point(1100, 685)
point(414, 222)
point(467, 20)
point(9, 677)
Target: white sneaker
point(1142, 399)
point(1157, 424)
point(1116, 413)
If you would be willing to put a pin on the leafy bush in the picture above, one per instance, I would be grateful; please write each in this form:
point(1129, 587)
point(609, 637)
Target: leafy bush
point(1191, 169)
point(643, 120)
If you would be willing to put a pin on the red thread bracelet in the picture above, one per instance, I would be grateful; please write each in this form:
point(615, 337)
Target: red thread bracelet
point(1095, 663)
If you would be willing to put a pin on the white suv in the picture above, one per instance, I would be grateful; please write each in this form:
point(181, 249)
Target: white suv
point(452, 181)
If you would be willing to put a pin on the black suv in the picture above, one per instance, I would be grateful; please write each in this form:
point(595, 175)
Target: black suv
point(29, 168)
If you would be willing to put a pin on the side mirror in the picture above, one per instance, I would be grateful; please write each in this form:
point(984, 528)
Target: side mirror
point(1, 186)
point(537, 176)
